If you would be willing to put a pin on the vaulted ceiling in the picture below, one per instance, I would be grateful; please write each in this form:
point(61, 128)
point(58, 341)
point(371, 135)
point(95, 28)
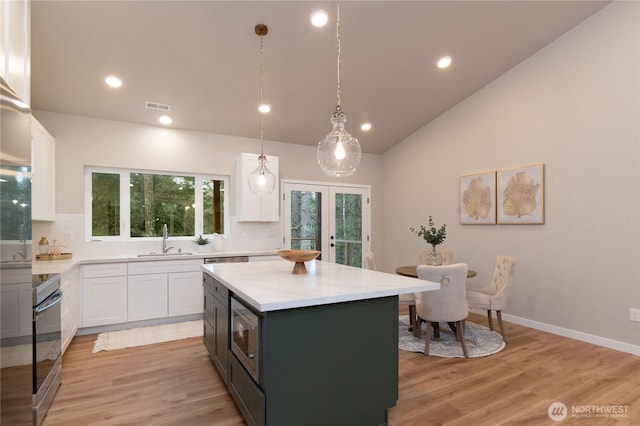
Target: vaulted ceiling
point(202, 59)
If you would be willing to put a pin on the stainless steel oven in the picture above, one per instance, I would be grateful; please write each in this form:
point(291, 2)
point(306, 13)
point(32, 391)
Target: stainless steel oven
point(47, 338)
point(245, 337)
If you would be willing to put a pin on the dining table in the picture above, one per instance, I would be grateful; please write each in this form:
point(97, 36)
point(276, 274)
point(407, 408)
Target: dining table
point(411, 271)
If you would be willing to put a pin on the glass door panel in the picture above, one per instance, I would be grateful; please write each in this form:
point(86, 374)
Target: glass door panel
point(348, 220)
point(332, 219)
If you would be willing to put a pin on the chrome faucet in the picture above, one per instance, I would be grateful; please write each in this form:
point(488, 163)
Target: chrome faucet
point(23, 240)
point(165, 236)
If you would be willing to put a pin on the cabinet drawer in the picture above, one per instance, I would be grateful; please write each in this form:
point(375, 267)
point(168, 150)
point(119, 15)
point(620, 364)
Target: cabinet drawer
point(217, 289)
point(100, 270)
point(247, 395)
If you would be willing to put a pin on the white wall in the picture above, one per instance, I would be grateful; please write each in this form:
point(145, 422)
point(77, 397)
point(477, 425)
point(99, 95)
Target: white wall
point(84, 141)
point(574, 106)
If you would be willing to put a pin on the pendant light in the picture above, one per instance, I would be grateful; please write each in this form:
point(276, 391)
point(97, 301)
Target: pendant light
point(339, 153)
point(261, 180)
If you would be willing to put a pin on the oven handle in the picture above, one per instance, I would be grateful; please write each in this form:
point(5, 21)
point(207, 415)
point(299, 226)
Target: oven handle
point(48, 303)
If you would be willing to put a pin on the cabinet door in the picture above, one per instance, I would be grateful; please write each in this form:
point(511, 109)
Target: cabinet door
point(221, 337)
point(43, 169)
point(147, 297)
point(15, 310)
point(70, 307)
point(104, 301)
point(185, 293)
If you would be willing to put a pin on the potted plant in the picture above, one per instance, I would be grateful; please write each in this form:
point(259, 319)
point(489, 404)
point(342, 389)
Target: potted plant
point(432, 236)
point(201, 242)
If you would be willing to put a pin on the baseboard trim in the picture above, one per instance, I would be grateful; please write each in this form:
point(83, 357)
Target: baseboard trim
point(573, 334)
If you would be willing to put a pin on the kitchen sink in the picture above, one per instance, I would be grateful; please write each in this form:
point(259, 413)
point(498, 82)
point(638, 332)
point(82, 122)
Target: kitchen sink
point(163, 254)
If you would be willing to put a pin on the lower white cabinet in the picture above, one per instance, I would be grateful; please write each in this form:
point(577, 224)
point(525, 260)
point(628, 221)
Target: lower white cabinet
point(185, 293)
point(104, 294)
point(147, 296)
point(15, 296)
point(159, 289)
point(70, 306)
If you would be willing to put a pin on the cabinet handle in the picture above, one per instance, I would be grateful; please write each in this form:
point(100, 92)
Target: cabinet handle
point(252, 356)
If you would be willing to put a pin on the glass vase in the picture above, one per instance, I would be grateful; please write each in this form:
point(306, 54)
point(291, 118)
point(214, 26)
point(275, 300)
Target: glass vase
point(434, 258)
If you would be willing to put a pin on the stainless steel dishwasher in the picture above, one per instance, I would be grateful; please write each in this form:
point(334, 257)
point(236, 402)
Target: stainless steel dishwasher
point(226, 259)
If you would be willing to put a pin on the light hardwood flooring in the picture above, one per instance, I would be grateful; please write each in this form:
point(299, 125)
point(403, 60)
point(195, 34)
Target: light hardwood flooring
point(175, 383)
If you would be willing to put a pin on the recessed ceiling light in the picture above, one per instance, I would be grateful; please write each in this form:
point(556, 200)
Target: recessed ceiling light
point(444, 62)
point(264, 108)
point(366, 126)
point(319, 18)
point(165, 119)
point(113, 81)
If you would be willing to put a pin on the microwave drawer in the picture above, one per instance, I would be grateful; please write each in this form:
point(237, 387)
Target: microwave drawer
point(246, 393)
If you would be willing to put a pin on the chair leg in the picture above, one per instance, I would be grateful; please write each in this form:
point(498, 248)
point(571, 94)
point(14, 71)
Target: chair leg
point(460, 333)
point(412, 316)
point(436, 330)
point(427, 338)
point(504, 336)
point(490, 317)
point(416, 327)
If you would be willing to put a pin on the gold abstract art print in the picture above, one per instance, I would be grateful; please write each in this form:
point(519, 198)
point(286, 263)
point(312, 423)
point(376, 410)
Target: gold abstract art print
point(478, 199)
point(521, 195)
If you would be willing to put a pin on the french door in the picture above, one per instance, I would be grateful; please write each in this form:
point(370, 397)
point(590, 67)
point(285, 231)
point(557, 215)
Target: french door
point(334, 219)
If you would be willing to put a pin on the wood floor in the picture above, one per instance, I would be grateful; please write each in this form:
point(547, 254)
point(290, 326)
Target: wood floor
point(175, 383)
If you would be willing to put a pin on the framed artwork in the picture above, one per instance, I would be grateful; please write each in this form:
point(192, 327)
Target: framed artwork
point(521, 195)
point(478, 199)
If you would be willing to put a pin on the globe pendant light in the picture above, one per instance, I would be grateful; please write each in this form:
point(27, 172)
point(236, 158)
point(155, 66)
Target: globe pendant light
point(261, 180)
point(339, 153)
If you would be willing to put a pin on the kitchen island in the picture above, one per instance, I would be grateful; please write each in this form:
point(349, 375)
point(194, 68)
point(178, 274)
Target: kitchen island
point(327, 341)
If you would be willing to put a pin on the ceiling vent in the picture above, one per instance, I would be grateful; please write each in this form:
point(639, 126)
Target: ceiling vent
point(157, 106)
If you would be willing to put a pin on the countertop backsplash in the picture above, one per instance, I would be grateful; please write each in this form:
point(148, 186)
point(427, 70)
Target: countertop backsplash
point(68, 230)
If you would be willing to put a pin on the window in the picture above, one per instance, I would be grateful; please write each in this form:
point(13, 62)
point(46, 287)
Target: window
point(134, 204)
point(15, 198)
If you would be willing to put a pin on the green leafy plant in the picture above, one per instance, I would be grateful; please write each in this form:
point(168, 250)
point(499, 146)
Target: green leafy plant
point(201, 241)
point(431, 235)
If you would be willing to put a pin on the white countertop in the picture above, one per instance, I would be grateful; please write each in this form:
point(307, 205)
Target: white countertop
point(60, 266)
point(271, 286)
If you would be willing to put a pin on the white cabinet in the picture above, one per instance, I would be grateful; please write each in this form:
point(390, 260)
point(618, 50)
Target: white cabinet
point(43, 194)
point(165, 288)
point(15, 302)
point(185, 293)
point(104, 294)
point(70, 310)
point(253, 207)
point(147, 297)
point(15, 46)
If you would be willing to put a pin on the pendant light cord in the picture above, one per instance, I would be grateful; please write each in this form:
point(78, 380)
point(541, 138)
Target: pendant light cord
point(261, 102)
point(338, 108)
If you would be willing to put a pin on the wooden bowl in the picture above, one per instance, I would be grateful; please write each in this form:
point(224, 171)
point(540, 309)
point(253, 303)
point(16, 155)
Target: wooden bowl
point(299, 257)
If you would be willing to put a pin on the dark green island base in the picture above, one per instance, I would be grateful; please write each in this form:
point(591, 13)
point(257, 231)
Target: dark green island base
point(334, 364)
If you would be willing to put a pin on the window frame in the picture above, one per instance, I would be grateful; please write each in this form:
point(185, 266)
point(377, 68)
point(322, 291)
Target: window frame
point(125, 202)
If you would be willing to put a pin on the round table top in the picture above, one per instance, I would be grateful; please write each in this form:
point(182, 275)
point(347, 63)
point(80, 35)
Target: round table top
point(410, 271)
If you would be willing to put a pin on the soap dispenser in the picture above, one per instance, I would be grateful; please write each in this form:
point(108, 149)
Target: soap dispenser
point(43, 246)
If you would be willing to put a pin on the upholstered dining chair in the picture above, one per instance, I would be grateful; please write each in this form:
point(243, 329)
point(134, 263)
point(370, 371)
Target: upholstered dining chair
point(448, 304)
point(446, 255)
point(493, 297)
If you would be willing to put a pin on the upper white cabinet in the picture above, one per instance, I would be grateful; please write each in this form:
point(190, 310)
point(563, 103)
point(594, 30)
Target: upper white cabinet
point(15, 46)
point(252, 207)
point(43, 185)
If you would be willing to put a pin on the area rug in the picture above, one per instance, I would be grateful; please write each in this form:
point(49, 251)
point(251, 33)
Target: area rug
point(479, 339)
point(113, 340)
